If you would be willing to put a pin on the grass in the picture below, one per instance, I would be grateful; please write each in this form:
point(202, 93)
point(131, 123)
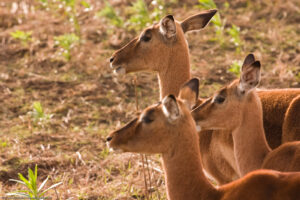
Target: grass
point(88, 102)
point(38, 115)
point(24, 36)
point(220, 24)
point(136, 16)
point(66, 43)
point(235, 67)
point(32, 190)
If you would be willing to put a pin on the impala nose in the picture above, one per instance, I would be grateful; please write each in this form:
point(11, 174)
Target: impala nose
point(111, 59)
point(108, 139)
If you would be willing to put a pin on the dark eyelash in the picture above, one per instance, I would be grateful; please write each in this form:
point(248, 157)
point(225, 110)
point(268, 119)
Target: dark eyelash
point(147, 120)
point(145, 38)
point(219, 99)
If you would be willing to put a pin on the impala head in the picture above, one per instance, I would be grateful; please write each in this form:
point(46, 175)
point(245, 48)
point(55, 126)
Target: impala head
point(225, 108)
point(157, 128)
point(155, 45)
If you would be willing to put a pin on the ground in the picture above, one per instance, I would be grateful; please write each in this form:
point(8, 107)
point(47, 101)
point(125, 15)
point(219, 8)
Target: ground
point(83, 100)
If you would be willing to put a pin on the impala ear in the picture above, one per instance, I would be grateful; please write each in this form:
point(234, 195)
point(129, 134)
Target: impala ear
point(249, 60)
point(170, 108)
point(250, 77)
point(198, 21)
point(189, 93)
point(168, 26)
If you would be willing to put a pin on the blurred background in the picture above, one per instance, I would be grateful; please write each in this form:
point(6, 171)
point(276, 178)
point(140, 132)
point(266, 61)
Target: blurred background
point(59, 98)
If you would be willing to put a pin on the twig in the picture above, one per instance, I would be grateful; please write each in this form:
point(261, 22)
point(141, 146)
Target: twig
point(57, 197)
point(145, 178)
point(142, 156)
point(149, 175)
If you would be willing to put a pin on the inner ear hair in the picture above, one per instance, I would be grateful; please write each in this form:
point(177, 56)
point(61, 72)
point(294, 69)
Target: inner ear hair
point(170, 108)
point(198, 21)
point(168, 26)
point(189, 92)
point(248, 60)
point(250, 76)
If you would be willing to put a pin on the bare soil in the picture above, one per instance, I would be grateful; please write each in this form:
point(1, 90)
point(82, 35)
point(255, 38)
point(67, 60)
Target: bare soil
point(88, 101)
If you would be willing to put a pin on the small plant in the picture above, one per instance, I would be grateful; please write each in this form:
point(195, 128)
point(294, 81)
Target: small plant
point(218, 23)
point(235, 67)
point(234, 32)
point(140, 16)
point(70, 10)
point(66, 43)
point(110, 14)
point(24, 37)
point(32, 191)
point(158, 11)
point(44, 3)
point(38, 114)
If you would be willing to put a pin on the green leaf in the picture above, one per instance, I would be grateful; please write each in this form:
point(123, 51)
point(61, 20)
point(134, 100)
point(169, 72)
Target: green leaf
point(35, 173)
point(32, 180)
point(24, 179)
point(85, 4)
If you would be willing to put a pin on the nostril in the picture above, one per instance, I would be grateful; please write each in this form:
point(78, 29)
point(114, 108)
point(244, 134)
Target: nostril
point(108, 139)
point(111, 59)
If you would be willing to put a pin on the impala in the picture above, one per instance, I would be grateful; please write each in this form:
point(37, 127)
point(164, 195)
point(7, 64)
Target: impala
point(237, 108)
point(162, 48)
point(167, 128)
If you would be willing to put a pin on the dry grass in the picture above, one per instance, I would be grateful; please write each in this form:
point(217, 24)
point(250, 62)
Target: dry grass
point(88, 101)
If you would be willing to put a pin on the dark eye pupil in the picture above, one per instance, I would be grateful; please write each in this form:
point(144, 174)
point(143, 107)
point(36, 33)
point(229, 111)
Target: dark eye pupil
point(146, 38)
point(219, 99)
point(147, 120)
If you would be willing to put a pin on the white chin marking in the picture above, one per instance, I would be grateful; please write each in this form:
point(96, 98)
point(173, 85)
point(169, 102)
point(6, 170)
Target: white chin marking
point(111, 149)
point(120, 71)
point(198, 128)
point(116, 150)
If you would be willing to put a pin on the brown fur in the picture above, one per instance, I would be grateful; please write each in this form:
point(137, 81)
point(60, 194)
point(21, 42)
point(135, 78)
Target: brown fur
point(164, 55)
point(240, 112)
point(291, 124)
point(177, 142)
point(278, 107)
point(170, 59)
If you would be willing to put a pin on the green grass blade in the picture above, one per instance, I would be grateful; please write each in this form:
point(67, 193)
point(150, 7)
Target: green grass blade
point(24, 179)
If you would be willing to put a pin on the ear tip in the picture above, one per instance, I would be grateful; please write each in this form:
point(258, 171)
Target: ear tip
point(250, 55)
point(256, 64)
point(195, 81)
point(170, 17)
point(192, 83)
point(172, 97)
point(213, 11)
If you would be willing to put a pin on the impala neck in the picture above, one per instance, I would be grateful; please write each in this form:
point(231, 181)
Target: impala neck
point(183, 169)
point(175, 71)
point(250, 144)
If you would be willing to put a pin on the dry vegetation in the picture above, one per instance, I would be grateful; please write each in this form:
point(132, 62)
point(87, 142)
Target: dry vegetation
point(83, 101)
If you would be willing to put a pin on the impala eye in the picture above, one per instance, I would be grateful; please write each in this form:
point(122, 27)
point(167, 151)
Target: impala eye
point(219, 99)
point(145, 38)
point(147, 120)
